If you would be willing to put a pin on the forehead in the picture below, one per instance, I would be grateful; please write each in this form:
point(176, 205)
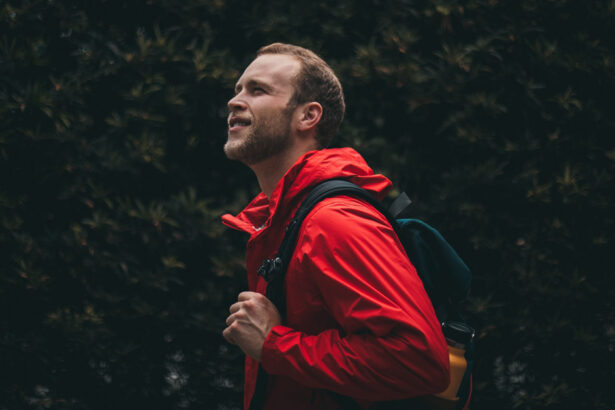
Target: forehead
point(277, 70)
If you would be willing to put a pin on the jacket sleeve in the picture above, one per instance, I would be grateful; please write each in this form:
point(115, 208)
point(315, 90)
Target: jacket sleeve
point(389, 344)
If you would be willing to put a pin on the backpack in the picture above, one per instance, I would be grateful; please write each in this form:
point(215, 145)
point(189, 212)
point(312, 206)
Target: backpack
point(445, 276)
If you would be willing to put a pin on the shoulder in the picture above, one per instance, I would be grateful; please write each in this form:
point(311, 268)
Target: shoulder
point(346, 237)
point(345, 215)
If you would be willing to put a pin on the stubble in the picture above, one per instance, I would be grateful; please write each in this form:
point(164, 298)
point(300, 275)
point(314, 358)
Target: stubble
point(264, 140)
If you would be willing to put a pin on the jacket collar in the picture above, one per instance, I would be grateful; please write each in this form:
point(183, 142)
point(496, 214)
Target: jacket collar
point(310, 169)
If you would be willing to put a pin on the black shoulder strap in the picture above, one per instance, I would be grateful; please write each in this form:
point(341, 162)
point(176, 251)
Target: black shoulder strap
point(327, 189)
point(274, 270)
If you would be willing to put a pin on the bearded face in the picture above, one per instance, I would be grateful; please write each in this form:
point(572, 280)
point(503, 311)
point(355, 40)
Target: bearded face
point(258, 137)
point(261, 112)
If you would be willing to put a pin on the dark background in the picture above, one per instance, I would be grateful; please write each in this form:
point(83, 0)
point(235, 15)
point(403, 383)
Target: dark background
point(116, 275)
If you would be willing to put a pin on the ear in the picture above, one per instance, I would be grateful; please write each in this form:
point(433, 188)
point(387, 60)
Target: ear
point(309, 116)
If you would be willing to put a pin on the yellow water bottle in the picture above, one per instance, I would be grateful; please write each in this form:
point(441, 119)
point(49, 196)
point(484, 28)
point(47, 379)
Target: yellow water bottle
point(457, 335)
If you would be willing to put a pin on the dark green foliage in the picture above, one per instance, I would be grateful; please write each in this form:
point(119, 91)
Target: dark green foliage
point(116, 274)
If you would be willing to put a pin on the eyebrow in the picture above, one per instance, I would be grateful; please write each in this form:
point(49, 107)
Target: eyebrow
point(251, 84)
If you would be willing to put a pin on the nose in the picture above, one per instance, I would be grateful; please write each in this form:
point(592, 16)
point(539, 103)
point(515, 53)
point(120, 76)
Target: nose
point(236, 103)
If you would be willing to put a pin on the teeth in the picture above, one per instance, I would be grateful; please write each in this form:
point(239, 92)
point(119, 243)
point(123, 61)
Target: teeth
point(239, 122)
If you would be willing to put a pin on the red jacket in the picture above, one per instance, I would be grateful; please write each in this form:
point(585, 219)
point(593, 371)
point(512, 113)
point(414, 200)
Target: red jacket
point(359, 322)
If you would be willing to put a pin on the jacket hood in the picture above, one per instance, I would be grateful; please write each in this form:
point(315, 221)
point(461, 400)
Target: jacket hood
point(310, 169)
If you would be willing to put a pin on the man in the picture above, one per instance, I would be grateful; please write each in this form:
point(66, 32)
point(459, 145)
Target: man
point(359, 327)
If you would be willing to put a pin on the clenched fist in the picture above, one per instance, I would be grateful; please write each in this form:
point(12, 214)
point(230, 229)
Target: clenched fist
point(250, 321)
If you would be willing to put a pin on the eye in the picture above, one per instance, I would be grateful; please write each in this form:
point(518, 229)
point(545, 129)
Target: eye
point(258, 90)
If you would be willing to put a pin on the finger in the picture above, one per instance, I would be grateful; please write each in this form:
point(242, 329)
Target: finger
point(231, 319)
point(247, 295)
point(235, 307)
point(228, 336)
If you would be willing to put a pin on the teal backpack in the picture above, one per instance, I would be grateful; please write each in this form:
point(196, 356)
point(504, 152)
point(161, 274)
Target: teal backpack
point(445, 276)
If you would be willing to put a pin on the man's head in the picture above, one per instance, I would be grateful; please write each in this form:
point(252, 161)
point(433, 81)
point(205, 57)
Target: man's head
point(286, 90)
point(315, 81)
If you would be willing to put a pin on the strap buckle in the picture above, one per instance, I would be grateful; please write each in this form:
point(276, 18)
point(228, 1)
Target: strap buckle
point(270, 268)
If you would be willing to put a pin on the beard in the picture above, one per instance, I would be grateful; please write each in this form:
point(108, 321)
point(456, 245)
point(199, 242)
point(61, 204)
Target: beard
point(264, 140)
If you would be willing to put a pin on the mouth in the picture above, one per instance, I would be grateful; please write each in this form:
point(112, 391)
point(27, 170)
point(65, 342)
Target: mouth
point(237, 123)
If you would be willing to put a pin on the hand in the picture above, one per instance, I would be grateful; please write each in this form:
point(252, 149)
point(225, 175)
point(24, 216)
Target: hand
point(251, 319)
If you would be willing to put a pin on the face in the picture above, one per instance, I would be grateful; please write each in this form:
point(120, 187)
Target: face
point(260, 116)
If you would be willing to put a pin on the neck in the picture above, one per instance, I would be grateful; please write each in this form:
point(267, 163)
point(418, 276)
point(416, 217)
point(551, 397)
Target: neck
point(270, 171)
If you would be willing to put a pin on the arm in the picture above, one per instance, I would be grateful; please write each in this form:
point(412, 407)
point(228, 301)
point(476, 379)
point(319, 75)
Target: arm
point(389, 344)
